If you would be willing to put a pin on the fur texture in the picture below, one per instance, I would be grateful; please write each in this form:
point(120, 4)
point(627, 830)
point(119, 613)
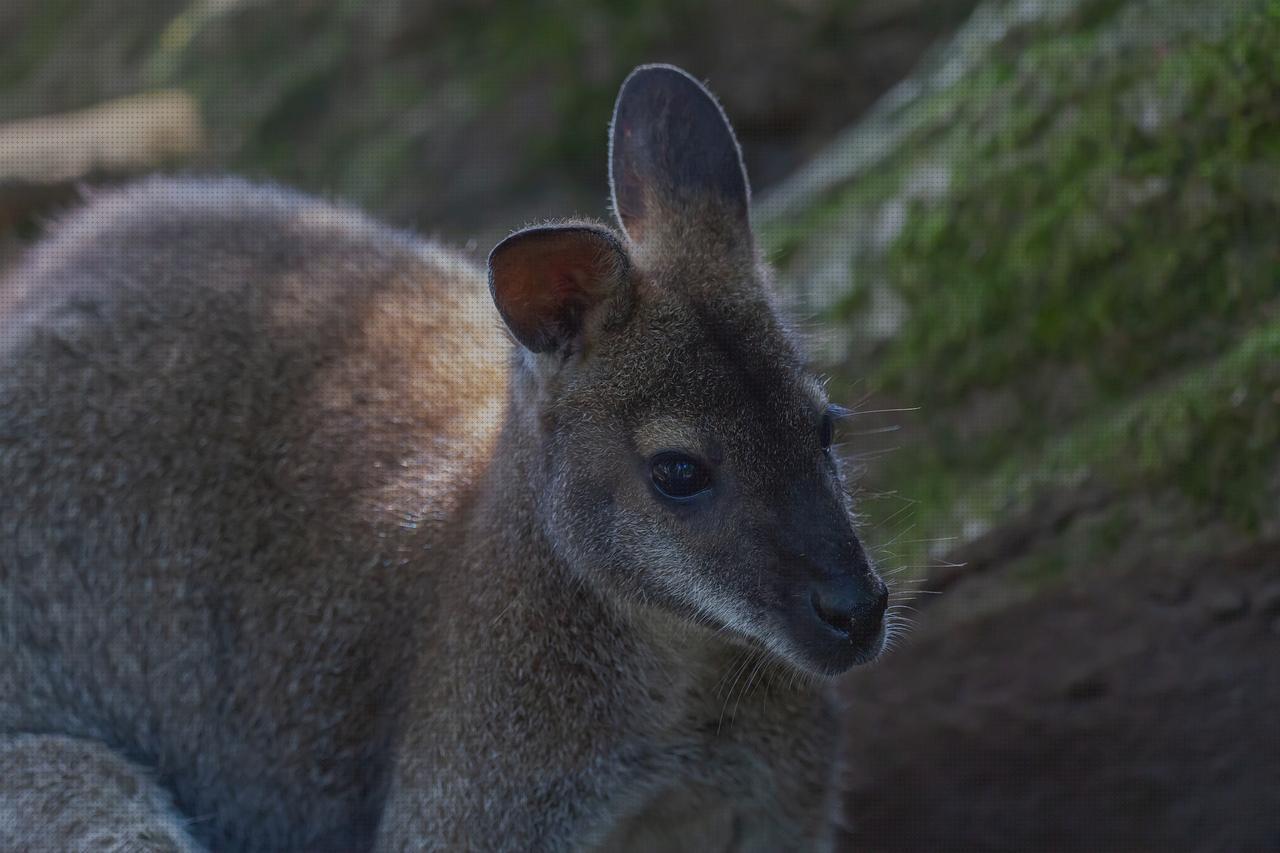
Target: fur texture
point(298, 541)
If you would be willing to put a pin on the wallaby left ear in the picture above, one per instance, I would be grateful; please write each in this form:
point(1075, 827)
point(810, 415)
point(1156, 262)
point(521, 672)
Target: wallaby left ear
point(674, 163)
point(546, 281)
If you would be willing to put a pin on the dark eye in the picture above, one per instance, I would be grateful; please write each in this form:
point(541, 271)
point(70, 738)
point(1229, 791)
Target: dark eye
point(827, 429)
point(677, 476)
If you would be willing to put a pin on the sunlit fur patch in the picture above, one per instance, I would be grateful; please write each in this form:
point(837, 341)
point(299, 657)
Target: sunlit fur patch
point(407, 376)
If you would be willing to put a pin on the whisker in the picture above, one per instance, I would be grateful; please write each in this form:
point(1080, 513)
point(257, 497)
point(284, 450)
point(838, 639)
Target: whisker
point(933, 566)
point(897, 512)
point(751, 654)
point(872, 454)
point(736, 667)
point(876, 431)
point(884, 411)
point(904, 532)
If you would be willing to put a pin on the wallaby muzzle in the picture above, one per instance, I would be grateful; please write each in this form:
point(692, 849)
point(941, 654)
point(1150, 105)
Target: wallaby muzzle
point(852, 605)
point(836, 602)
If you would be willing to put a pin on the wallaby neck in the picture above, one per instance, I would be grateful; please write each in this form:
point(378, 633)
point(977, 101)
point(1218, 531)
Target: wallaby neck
point(503, 527)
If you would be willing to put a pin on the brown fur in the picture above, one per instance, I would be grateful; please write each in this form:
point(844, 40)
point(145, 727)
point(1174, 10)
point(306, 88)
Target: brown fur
point(292, 533)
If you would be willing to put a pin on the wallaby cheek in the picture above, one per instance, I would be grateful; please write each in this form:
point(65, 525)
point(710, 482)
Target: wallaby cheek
point(585, 508)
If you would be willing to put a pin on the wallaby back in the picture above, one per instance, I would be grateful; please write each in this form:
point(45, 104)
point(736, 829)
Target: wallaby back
point(226, 411)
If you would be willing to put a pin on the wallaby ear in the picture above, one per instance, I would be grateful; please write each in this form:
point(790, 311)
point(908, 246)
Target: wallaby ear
point(546, 280)
point(673, 158)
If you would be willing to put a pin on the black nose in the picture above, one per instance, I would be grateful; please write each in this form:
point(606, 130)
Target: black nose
point(853, 606)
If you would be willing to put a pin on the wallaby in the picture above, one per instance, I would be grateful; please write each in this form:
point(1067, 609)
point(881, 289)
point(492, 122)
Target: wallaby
point(305, 547)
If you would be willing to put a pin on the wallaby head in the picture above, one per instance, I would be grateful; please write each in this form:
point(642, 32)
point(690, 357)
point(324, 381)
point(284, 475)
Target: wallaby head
point(679, 451)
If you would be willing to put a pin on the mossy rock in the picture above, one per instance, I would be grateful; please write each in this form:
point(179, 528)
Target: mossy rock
point(1067, 261)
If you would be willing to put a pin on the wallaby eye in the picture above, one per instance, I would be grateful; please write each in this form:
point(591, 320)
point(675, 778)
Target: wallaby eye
point(827, 429)
point(678, 476)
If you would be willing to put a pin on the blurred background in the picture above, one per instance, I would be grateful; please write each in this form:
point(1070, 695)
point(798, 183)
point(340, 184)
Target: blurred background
point(1035, 244)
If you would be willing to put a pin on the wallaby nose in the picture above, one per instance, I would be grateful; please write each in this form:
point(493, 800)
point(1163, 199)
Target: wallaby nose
point(852, 605)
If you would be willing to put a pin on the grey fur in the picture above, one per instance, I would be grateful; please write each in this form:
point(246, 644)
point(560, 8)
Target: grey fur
point(294, 538)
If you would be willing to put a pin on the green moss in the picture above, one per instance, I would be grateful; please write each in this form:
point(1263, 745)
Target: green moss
point(1095, 295)
point(784, 238)
point(1097, 13)
point(1212, 436)
point(1093, 238)
point(1040, 568)
point(37, 41)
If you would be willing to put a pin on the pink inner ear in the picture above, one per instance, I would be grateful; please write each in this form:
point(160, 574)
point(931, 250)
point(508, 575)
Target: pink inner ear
point(544, 280)
point(572, 285)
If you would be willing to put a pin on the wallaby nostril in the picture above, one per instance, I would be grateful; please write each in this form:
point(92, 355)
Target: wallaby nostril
point(836, 611)
point(851, 608)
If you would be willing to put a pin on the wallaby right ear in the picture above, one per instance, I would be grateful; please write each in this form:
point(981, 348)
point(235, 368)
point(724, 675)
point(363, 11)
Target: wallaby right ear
point(674, 163)
point(546, 281)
